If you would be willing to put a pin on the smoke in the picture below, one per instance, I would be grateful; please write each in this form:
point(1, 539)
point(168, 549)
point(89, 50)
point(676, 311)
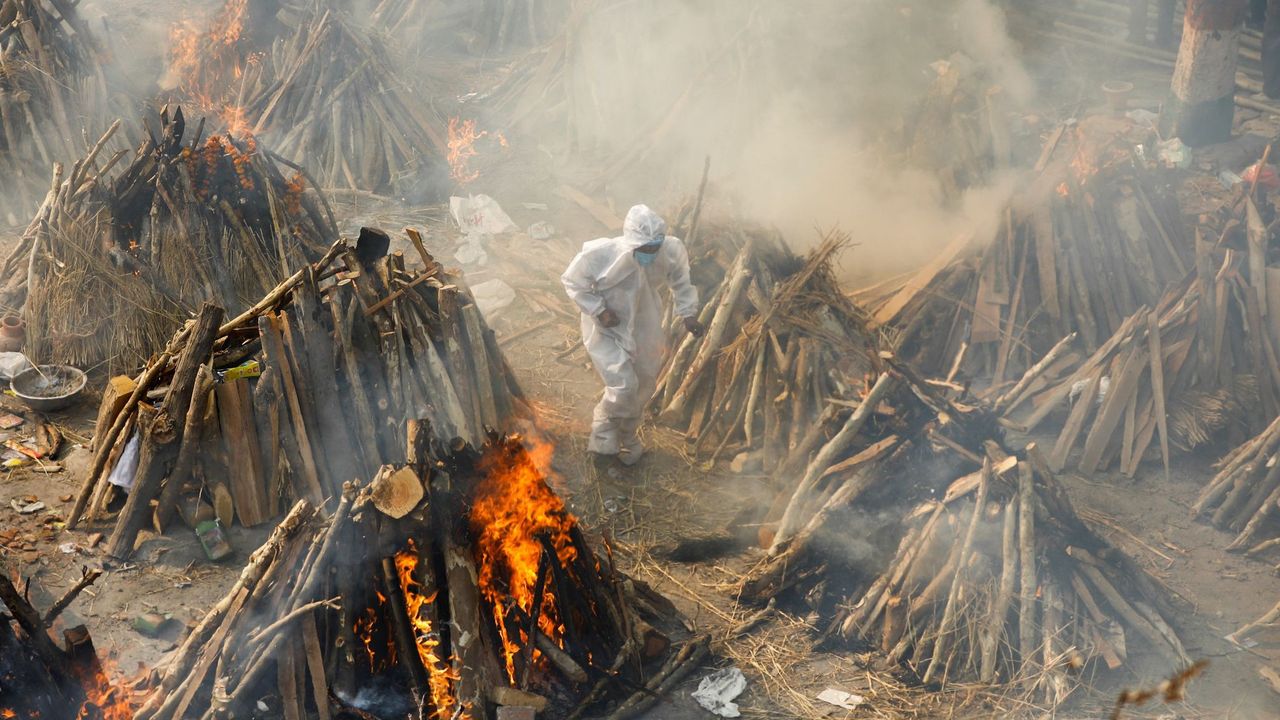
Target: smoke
point(804, 108)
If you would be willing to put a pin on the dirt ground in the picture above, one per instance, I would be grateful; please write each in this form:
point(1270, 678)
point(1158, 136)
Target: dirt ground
point(671, 495)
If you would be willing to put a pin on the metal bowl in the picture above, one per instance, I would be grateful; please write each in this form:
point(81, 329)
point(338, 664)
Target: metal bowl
point(56, 388)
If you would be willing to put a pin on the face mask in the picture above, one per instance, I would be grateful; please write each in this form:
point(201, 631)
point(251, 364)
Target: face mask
point(645, 259)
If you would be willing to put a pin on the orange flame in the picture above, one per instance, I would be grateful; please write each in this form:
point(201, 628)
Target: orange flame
point(207, 64)
point(441, 677)
point(462, 147)
point(514, 506)
point(104, 699)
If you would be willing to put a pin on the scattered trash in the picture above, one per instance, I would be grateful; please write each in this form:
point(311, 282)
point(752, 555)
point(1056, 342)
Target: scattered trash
point(26, 508)
point(69, 548)
point(149, 624)
point(13, 463)
point(492, 295)
point(122, 474)
point(480, 214)
point(13, 364)
point(1079, 387)
point(541, 230)
point(471, 251)
point(248, 369)
point(717, 691)
point(1268, 179)
point(1173, 153)
point(841, 699)
point(213, 540)
point(9, 421)
point(1229, 179)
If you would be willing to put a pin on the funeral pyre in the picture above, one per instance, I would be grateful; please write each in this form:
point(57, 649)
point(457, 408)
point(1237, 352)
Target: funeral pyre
point(325, 90)
point(187, 219)
point(42, 680)
point(454, 582)
point(298, 394)
point(52, 88)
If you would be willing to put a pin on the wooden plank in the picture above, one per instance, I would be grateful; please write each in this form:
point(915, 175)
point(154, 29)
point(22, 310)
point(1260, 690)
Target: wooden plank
point(1046, 265)
point(1255, 338)
point(1010, 328)
point(273, 348)
point(868, 454)
point(1256, 232)
point(1075, 421)
point(249, 480)
point(114, 397)
point(921, 280)
point(1122, 386)
point(1157, 388)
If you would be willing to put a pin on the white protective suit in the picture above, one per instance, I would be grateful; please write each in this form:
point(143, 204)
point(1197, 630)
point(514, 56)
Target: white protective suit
point(605, 274)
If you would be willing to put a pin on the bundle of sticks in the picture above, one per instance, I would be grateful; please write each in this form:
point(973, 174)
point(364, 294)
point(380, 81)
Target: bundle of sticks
point(1203, 358)
point(1096, 235)
point(783, 344)
point(51, 84)
point(327, 92)
point(41, 679)
point(185, 221)
point(298, 394)
point(1242, 496)
point(1000, 581)
point(454, 582)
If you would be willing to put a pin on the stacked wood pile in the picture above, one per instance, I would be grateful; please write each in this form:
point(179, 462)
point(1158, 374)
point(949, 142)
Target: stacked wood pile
point(1000, 581)
point(783, 346)
point(327, 92)
point(1019, 590)
point(1096, 235)
point(51, 89)
point(186, 219)
point(468, 586)
point(346, 350)
point(42, 679)
point(1203, 358)
point(1242, 497)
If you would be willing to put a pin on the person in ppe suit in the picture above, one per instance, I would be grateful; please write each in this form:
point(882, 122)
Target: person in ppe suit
point(615, 282)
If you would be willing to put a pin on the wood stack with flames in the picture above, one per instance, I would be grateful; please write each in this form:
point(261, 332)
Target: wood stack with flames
point(347, 349)
point(454, 582)
point(42, 680)
point(185, 220)
point(326, 92)
point(52, 88)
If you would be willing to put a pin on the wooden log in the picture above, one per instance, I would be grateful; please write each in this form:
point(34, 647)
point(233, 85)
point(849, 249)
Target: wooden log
point(1011, 398)
point(269, 328)
point(940, 647)
point(1027, 569)
point(736, 281)
point(254, 503)
point(114, 397)
point(994, 630)
point(162, 436)
point(190, 445)
point(826, 456)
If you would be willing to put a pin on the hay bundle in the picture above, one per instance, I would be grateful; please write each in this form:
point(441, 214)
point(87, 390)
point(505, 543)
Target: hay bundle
point(184, 222)
point(51, 85)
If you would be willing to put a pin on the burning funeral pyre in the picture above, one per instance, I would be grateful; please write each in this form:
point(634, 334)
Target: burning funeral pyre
point(40, 680)
point(327, 93)
point(52, 88)
point(469, 585)
point(298, 394)
point(188, 219)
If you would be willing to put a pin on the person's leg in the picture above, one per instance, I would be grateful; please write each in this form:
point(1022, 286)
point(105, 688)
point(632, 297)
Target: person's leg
point(629, 426)
point(604, 431)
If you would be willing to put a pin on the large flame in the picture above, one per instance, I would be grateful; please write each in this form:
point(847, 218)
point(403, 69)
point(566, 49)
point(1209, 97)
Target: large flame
point(462, 147)
point(514, 506)
point(441, 678)
point(208, 64)
point(104, 699)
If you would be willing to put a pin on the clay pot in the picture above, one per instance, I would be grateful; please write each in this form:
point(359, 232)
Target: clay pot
point(13, 333)
point(1117, 93)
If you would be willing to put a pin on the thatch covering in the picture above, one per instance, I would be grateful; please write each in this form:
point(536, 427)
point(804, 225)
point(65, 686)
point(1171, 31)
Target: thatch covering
point(187, 219)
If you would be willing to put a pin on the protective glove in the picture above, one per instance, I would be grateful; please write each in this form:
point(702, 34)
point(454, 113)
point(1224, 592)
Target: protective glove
point(694, 327)
point(608, 318)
